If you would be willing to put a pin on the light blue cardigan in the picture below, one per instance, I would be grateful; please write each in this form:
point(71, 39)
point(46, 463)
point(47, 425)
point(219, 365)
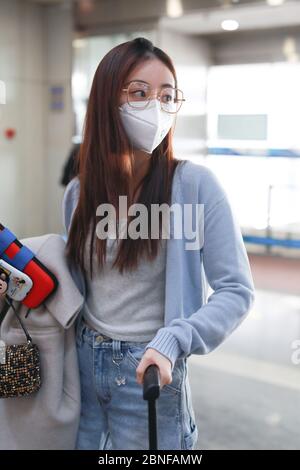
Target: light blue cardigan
point(194, 324)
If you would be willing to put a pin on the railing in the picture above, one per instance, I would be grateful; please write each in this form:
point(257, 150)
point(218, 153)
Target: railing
point(268, 240)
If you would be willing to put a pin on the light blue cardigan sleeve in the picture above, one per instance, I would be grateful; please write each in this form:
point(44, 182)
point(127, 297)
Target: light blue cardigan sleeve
point(69, 202)
point(228, 272)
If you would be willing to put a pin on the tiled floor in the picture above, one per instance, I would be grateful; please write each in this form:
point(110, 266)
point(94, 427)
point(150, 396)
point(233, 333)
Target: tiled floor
point(276, 273)
point(246, 394)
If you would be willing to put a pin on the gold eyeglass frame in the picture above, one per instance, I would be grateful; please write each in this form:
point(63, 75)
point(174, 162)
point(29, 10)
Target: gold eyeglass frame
point(158, 97)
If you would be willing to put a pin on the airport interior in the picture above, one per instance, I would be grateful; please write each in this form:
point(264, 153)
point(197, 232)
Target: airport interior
point(238, 64)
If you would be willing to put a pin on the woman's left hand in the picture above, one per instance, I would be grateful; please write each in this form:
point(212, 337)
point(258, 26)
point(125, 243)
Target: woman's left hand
point(164, 365)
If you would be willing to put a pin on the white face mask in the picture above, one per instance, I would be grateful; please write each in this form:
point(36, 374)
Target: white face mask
point(146, 128)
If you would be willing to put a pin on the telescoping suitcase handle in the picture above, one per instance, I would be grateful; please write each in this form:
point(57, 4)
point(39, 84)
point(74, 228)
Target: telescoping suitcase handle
point(151, 391)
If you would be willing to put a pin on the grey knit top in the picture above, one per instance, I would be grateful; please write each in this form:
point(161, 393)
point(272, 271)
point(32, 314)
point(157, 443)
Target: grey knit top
point(128, 306)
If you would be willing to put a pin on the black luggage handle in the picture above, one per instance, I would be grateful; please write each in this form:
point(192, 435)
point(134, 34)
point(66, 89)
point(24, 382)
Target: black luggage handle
point(151, 391)
point(151, 383)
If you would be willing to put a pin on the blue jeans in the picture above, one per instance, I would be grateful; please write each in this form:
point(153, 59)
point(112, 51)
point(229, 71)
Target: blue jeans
point(114, 414)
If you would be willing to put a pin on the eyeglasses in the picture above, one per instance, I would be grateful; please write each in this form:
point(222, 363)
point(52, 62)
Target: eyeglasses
point(139, 95)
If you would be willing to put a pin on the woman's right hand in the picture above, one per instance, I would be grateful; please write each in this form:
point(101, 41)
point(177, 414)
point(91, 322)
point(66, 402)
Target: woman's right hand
point(152, 356)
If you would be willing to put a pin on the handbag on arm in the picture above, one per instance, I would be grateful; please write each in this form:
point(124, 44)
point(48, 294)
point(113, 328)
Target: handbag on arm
point(20, 372)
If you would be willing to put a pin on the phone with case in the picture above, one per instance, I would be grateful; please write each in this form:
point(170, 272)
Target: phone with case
point(44, 282)
point(18, 283)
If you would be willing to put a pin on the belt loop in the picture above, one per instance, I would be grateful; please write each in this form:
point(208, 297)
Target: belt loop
point(116, 349)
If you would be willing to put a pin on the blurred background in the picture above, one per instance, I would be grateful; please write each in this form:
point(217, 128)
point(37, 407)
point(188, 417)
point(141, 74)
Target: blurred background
point(238, 63)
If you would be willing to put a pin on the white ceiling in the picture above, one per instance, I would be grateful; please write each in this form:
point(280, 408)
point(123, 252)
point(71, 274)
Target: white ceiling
point(50, 2)
point(249, 17)
point(205, 21)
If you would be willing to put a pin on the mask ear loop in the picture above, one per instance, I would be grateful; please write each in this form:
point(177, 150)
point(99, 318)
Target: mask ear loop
point(174, 123)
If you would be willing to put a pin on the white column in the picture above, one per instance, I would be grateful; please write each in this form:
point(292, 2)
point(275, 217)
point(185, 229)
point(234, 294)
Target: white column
point(35, 55)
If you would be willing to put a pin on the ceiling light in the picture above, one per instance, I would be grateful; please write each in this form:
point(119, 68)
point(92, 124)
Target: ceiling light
point(289, 46)
point(275, 3)
point(230, 25)
point(174, 8)
point(289, 49)
point(78, 43)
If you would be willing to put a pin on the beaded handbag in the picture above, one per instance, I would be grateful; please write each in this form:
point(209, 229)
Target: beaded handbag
point(19, 365)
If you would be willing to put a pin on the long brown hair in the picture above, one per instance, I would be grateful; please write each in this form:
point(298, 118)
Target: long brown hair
point(106, 160)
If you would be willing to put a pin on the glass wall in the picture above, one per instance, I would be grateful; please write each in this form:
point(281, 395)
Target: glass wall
point(254, 144)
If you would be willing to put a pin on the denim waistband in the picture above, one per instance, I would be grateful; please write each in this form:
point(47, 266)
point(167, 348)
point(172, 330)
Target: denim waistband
point(98, 339)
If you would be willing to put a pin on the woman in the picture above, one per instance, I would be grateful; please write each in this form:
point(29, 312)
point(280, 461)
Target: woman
point(144, 302)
